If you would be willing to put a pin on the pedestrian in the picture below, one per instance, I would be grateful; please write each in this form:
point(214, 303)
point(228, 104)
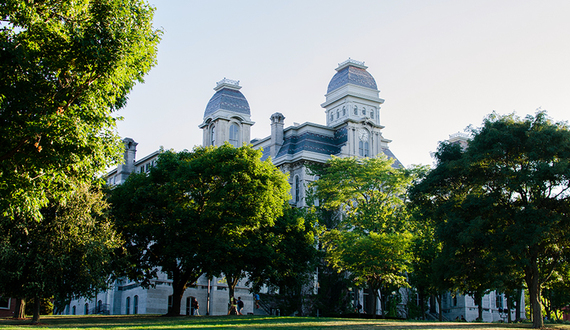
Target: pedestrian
point(239, 306)
point(195, 307)
point(256, 298)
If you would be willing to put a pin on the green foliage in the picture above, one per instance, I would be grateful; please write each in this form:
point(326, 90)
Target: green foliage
point(198, 212)
point(66, 66)
point(67, 254)
point(287, 260)
point(46, 306)
point(372, 239)
point(501, 206)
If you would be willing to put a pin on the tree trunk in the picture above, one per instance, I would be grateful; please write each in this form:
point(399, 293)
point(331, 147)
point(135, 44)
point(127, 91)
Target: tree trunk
point(531, 278)
point(232, 283)
point(20, 311)
point(479, 298)
point(518, 304)
point(36, 317)
point(179, 282)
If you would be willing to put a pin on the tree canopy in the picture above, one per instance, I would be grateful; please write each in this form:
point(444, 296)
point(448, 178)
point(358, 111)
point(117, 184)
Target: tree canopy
point(65, 67)
point(504, 201)
point(194, 212)
point(372, 240)
point(67, 254)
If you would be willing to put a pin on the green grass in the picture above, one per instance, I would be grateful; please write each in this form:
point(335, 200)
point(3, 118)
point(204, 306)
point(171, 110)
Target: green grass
point(135, 322)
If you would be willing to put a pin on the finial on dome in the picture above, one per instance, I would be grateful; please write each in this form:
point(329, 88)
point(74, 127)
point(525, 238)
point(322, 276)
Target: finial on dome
point(351, 62)
point(228, 83)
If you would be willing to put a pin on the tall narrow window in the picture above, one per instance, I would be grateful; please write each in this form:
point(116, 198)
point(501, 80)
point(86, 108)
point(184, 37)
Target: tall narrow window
point(213, 137)
point(234, 133)
point(135, 304)
point(86, 309)
point(297, 192)
point(73, 310)
point(99, 306)
point(363, 150)
point(128, 306)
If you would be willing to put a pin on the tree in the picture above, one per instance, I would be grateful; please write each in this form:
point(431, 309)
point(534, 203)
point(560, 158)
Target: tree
point(288, 254)
point(372, 239)
point(67, 254)
point(194, 211)
point(66, 66)
point(506, 198)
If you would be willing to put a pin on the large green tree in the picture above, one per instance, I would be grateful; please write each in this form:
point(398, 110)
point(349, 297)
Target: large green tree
point(288, 254)
point(194, 212)
point(372, 240)
point(67, 254)
point(505, 199)
point(65, 67)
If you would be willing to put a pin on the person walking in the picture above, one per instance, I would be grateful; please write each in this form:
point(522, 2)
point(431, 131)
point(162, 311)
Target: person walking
point(239, 306)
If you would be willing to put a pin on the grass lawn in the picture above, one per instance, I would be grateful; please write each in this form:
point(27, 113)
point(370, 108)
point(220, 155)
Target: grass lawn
point(133, 322)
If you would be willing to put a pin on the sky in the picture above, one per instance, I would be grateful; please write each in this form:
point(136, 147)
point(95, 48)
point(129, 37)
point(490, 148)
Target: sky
point(440, 66)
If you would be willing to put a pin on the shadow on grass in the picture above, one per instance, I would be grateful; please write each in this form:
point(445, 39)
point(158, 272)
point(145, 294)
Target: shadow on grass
point(135, 322)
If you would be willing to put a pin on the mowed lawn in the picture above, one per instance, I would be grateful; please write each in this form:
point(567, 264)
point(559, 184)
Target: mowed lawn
point(246, 322)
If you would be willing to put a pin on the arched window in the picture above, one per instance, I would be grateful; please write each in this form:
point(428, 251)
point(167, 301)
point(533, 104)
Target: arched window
point(372, 113)
point(332, 116)
point(135, 304)
point(73, 310)
point(128, 306)
point(363, 111)
point(355, 110)
point(343, 111)
point(99, 306)
point(234, 135)
point(337, 114)
point(213, 136)
point(363, 148)
point(86, 309)
point(297, 190)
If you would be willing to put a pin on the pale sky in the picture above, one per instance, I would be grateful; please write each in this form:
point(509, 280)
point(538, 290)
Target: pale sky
point(439, 65)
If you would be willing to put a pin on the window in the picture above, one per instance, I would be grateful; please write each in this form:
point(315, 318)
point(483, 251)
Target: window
point(355, 110)
point(135, 304)
point(213, 137)
point(364, 111)
point(499, 300)
point(234, 133)
point(332, 116)
point(297, 190)
point(86, 309)
point(372, 113)
point(337, 114)
point(343, 111)
point(363, 148)
point(128, 306)
point(4, 302)
point(73, 310)
point(99, 306)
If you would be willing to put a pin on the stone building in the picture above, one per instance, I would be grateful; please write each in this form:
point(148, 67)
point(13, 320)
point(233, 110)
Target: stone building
point(352, 127)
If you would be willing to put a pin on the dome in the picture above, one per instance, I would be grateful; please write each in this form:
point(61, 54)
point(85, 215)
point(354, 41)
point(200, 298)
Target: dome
point(352, 72)
point(227, 97)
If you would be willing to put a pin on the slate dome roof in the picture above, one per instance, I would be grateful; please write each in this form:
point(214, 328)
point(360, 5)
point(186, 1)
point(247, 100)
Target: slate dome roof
point(352, 72)
point(227, 97)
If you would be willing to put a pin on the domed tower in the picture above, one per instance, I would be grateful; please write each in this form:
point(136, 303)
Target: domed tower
point(352, 107)
point(352, 94)
point(227, 116)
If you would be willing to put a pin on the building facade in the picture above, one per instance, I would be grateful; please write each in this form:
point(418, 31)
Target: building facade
point(352, 127)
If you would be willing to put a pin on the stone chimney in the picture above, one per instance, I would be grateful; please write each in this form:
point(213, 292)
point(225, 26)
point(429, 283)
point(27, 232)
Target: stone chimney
point(125, 169)
point(277, 123)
